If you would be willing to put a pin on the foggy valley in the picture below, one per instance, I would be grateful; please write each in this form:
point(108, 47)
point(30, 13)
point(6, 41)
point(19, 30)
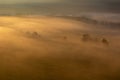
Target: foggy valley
point(60, 40)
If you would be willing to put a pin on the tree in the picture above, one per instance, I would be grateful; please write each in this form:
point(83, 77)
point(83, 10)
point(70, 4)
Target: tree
point(105, 41)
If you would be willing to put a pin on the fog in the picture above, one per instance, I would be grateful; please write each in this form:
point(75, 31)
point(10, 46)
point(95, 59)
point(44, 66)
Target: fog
point(59, 40)
point(35, 48)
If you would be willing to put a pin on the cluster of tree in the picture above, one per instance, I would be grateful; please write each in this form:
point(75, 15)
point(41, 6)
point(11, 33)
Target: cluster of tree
point(87, 37)
point(33, 34)
point(93, 21)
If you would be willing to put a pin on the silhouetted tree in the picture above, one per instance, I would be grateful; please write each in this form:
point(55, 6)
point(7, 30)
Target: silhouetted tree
point(86, 37)
point(105, 41)
point(65, 37)
point(35, 34)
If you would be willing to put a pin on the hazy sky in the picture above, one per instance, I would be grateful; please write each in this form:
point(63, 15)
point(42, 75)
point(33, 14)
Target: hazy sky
point(28, 1)
point(98, 5)
point(54, 1)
